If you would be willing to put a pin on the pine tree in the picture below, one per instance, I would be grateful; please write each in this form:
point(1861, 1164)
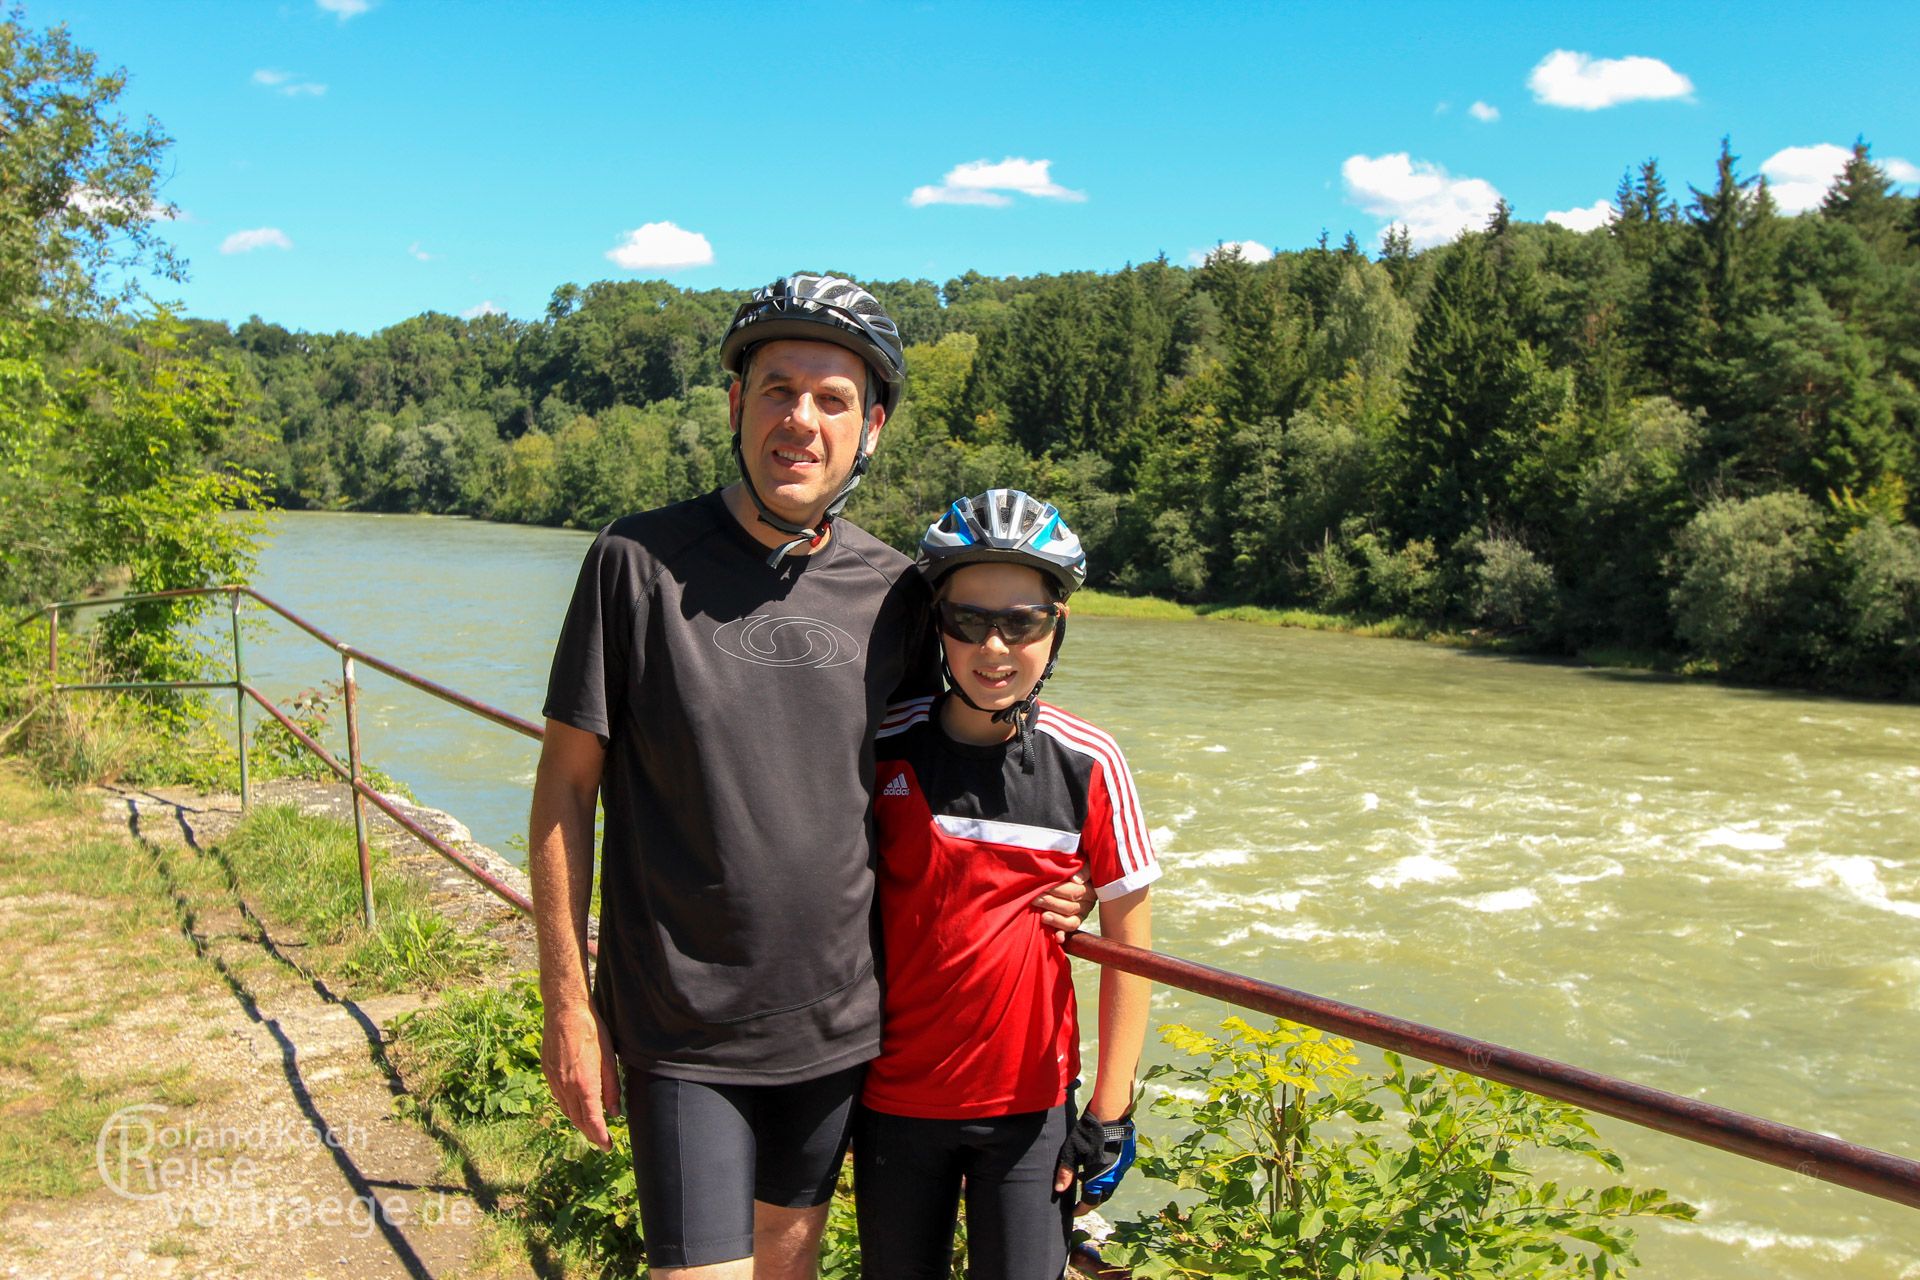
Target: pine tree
point(1449, 451)
point(1863, 198)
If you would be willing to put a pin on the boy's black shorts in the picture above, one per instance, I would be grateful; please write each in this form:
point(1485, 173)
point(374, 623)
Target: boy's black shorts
point(703, 1153)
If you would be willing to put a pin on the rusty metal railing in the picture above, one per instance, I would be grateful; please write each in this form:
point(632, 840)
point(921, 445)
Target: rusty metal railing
point(1812, 1155)
point(350, 772)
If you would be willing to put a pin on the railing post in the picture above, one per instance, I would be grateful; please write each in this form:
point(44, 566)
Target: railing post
point(351, 693)
point(53, 645)
point(240, 703)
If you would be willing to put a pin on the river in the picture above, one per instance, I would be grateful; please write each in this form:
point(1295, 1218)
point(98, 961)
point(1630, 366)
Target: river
point(1710, 890)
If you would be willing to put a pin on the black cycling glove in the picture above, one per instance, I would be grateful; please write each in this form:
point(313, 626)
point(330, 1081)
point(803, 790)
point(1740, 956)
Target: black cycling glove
point(1099, 1152)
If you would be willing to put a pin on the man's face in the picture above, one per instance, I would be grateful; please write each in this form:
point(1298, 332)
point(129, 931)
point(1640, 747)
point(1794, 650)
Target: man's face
point(799, 418)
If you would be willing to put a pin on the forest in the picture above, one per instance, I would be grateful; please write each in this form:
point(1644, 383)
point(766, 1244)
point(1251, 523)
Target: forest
point(1690, 437)
point(1692, 432)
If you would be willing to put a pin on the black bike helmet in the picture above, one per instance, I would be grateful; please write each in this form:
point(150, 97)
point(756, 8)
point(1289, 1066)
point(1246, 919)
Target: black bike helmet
point(820, 309)
point(816, 308)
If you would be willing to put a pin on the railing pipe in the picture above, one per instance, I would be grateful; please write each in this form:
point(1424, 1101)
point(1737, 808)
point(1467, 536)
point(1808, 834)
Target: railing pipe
point(240, 703)
point(128, 686)
point(502, 889)
point(1813, 1155)
point(505, 719)
point(349, 693)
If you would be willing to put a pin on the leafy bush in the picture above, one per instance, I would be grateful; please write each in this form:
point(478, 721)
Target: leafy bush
point(1747, 578)
point(1880, 599)
point(482, 1049)
point(1405, 581)
point(1511, 586)
point(1289, 1166)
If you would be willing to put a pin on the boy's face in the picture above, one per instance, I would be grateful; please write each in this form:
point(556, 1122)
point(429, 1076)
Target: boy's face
point(994, 673)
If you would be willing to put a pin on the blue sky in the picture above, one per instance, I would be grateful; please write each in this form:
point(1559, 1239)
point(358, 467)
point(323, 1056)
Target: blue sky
point(344, 164)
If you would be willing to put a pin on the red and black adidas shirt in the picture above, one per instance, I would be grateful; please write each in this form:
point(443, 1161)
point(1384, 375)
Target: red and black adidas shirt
point(978, 993)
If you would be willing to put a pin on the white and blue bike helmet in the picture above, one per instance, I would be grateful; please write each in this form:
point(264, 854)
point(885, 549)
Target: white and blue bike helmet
point(1006, 526)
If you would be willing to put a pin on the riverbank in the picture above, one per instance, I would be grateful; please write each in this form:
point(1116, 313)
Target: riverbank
point(1092, 603)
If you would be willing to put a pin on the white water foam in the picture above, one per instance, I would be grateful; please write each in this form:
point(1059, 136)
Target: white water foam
point(1417, 868)
point(1743, 838)
point(1609, 868)
point(1369, 802)
point(1859, 875)
point(1758, 1239)
point(1519, 899)
point(1160, 838)
point(1305, 767)
point(1216, 749)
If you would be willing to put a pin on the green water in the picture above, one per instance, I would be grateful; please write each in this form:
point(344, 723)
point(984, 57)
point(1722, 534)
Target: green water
point(1713, 891)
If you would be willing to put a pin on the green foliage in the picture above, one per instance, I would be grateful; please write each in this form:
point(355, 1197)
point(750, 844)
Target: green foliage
point(1748, 574)
point(482, 1050)
point(1512, 587)
point(1286, 1163)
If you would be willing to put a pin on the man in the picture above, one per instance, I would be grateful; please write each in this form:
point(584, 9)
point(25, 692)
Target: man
point(719, 677)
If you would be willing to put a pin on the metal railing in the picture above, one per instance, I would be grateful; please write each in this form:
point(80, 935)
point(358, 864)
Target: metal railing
point(1812, 1155)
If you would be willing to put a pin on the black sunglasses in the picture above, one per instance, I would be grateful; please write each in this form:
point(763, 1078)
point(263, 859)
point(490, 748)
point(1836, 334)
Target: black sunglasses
point(1018, 625)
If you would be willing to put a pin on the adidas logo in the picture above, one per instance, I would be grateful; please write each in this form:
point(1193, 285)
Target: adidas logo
point(898, 787)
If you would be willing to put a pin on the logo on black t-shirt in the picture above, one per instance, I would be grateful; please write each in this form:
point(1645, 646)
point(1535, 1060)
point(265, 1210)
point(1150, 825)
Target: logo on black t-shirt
point(786, 642)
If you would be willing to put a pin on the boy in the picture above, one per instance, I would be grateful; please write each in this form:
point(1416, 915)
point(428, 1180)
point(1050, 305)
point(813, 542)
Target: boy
point(983, 794)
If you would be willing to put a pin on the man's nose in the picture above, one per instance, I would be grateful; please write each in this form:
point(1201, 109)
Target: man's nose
point(805, 412)
point(995, 643)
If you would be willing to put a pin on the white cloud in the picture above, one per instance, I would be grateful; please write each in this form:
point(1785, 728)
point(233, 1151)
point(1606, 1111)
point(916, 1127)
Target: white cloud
point(420, 254)
point(1250, 251)
point(257, 238)
point(345, 8)
point(1586, 83)
point(1431, 203)
point(985, 182)
point(1484, 112)
point(487, 308)
point(1597, 214)
point(287, 83)
point(661, 246)
point(1799, 177)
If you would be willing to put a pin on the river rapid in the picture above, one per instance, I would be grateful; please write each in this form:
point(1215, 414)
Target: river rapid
point(1710, 890)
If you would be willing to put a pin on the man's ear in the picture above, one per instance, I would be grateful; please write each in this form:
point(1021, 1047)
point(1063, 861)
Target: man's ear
point(876, 418)
point(733, 406)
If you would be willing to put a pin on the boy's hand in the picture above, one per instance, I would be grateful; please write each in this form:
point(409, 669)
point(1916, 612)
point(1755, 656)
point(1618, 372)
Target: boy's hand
point(1099, 1153)
point(1066, 906)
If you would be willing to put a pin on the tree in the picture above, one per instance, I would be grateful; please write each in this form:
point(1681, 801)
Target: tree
point(1449, 449)
point(1862, 197)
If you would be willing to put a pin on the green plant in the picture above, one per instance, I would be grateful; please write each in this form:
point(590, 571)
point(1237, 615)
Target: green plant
point(1288, 1165)
point(415, 948)
point(482, 1049)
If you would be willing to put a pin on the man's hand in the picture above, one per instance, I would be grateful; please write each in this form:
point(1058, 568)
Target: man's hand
point(1066, 906)
point(576, 1054)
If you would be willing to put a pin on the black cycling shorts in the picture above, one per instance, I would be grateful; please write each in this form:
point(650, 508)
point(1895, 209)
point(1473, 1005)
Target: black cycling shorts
point(703, 1153)
point(907, 1178)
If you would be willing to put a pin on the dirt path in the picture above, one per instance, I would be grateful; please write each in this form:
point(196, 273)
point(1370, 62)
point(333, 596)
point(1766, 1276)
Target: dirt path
point(245, 1112)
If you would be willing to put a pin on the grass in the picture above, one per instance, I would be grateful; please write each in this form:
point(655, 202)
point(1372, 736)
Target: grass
point(1103, 604)
point(305, 869)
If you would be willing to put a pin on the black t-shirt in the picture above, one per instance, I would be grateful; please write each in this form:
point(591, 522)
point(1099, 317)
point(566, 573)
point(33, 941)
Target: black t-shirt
point(738, 703)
